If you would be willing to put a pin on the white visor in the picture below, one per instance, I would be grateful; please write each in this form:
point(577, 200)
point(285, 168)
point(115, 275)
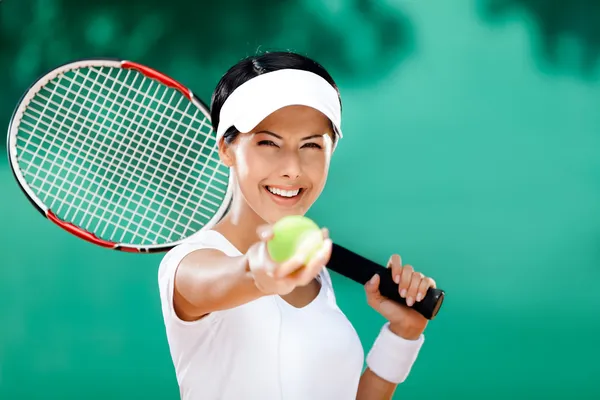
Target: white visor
point(261, 96)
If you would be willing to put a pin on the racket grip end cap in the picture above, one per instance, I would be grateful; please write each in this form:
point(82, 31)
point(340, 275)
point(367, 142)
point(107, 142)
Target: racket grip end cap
point(432, 303)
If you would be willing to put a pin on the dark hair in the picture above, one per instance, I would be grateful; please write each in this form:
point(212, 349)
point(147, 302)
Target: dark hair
point(253, 66)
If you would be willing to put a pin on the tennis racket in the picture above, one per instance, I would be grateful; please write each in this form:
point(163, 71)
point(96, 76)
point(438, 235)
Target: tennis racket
point(123, 156)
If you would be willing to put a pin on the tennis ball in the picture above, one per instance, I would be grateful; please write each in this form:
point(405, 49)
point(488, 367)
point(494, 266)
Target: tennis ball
point(292, 232)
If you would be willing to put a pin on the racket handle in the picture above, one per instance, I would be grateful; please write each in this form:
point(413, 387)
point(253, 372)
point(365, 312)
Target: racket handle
point(361, 270)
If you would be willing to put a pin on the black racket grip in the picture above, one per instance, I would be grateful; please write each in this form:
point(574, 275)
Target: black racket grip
point(361, 270)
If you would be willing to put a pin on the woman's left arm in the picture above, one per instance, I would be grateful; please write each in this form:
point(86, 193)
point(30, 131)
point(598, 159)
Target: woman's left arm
point(398, 344)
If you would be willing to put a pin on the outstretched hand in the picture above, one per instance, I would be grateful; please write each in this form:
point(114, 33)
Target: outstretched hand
point(281, 278)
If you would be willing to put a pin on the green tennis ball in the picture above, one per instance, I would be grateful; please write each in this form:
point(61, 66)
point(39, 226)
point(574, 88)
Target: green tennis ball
point(291, 232)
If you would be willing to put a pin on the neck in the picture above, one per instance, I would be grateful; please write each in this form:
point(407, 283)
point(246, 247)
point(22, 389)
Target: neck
point(239, 224)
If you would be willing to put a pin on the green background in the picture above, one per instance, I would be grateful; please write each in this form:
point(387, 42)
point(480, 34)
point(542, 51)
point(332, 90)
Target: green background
point(472, 132)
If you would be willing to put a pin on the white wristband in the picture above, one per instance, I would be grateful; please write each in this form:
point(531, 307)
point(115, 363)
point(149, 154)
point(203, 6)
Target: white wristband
point(392, 357)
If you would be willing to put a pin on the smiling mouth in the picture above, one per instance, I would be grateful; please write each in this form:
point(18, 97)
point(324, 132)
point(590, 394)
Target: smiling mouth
point(288, 194)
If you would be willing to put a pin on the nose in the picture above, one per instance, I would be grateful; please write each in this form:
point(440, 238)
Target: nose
point(291, 166)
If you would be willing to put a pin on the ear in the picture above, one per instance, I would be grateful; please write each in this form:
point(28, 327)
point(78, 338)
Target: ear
point(226, 153)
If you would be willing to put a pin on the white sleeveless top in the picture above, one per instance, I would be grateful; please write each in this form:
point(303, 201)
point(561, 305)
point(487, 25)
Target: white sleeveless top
point(262, 350)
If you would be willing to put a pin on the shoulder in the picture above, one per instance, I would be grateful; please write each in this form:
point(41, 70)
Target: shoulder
point(203, 244)
point(210, 241)
point(171, 260)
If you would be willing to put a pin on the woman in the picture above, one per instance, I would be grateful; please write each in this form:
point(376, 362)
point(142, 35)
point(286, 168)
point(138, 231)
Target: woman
point(240, 326)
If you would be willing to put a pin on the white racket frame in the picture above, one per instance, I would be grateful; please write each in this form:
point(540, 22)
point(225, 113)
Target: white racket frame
point(44, 209)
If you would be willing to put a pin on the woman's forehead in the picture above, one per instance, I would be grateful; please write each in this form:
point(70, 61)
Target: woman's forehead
point(296, 119)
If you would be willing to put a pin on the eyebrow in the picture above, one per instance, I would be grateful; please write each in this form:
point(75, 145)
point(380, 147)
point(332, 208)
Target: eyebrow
point(304, 138)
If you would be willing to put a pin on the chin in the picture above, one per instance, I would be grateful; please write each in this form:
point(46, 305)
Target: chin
point(272, 213)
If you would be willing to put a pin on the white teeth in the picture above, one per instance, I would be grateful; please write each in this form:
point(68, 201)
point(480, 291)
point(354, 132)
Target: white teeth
point(283, 193)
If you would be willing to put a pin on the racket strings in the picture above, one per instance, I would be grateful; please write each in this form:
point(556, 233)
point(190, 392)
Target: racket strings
point(103, 176)
point(61, 127)
point(163, 115)
point(131, 121)
point(56, 194)
point(80, 198)
point(161, 153)
point(129, 164)
point(130, 214)
point(37, 123)
point(132, 138)
point(131, 88)
point(105, 209)
point(145, 180)
point(44, 159)
point(170, 163)
point(103, 180)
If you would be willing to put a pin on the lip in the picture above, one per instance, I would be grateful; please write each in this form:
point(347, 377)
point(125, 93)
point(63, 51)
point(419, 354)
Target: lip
point(285, 201)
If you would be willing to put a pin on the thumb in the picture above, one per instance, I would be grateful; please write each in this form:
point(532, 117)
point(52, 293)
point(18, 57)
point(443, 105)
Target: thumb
point(372, 290)
point(265, 232)
point(372, 287)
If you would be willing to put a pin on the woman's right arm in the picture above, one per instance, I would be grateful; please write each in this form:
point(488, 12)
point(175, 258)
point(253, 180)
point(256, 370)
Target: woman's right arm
point(208, 280)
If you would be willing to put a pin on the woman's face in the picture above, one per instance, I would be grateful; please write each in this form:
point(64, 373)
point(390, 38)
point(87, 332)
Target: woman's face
point(281, 166)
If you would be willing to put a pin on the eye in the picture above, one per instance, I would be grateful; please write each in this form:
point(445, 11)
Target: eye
point(312, 145)
point(267, 143)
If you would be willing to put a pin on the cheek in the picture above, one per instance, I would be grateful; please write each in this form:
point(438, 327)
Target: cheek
point(317, 168)
point(250, 167)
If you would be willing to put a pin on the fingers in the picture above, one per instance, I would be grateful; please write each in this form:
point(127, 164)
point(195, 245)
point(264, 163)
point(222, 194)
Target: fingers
point(265, 232)
point(307, 257)
point(310, 244)
point(288, 267)
point(316, 263)
point(424, 286)
point(395, 264)
point(405, 279)
point(413, 287)
point(300, 269)
point(281, 278)
point(322, 256)
point(401, 275)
